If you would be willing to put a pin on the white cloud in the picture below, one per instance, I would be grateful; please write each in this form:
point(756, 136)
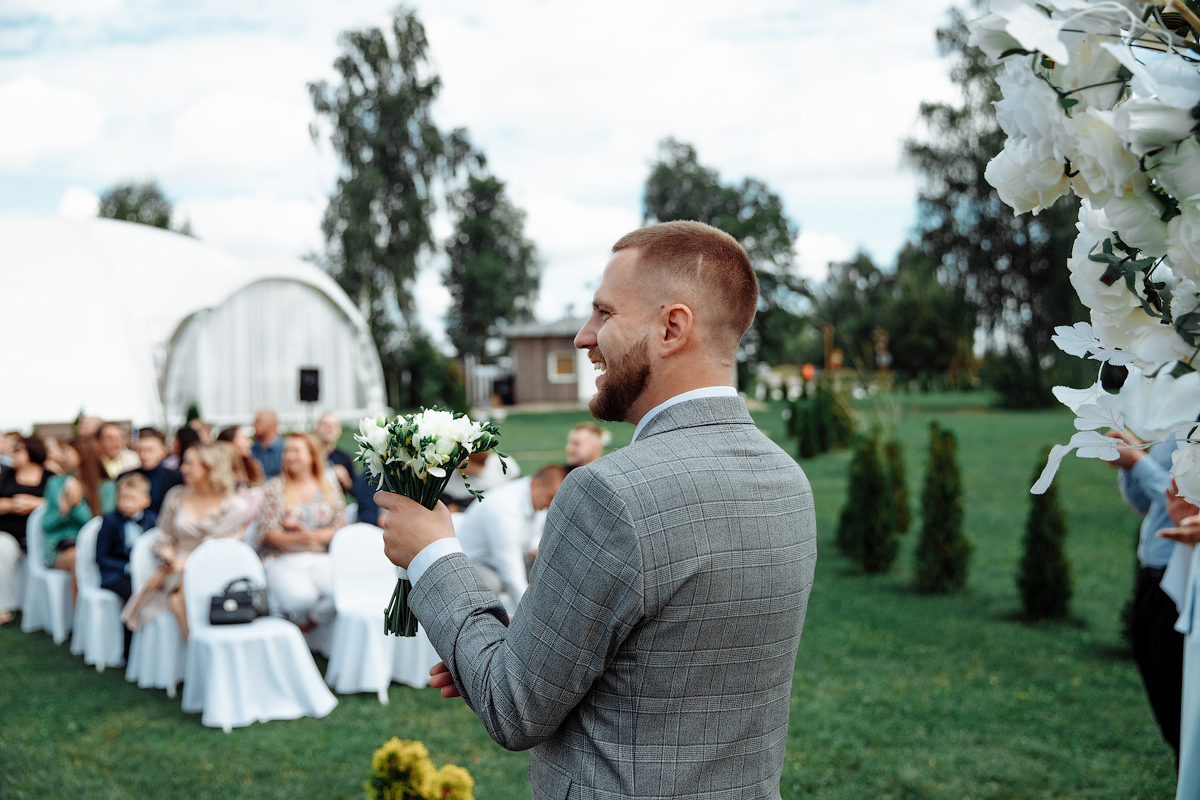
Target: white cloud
point(79, 202)
point(815, 251)
point(43, 121)
point(256, 225)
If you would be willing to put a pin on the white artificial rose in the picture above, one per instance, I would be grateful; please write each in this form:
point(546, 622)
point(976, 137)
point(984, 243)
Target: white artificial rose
point(1030, 110)
point(1176, 169)
point(1184, 297)
point(1024, 182)
point(1139, 222)
point(1185, 466)
point(1032, 28)
point(1104, 166)
point(1147, 124)
point(1090, 76)
point(990, 36)
point(1183, 240)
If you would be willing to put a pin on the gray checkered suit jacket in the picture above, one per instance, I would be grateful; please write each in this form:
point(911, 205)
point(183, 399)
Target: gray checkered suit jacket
point(653, 653)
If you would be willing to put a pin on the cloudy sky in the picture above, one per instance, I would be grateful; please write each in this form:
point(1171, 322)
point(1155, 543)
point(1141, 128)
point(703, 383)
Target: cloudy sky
point(568, 101)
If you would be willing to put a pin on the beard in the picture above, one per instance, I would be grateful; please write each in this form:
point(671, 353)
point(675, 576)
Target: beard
point(624, 380)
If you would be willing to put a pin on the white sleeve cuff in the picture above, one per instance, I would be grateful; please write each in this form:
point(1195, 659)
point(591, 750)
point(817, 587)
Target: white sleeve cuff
point(432, 552)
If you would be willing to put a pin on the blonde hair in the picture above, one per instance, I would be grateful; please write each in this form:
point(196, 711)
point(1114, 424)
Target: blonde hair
point(134, 482)
point(216, 460)
point(318, 470)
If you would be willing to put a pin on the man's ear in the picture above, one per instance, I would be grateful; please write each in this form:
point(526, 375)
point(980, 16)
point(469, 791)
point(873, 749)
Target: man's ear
point(677, 328)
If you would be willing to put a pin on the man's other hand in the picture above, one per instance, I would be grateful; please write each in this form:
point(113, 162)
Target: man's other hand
point(410, 527)
point(440, 678)
point(1188, 532)
point(1177, 507)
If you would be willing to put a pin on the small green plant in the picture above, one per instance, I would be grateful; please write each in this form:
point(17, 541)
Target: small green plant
point(193, 413)
point(943, 553)
point(821, 421)
point(1044, 574)
point(401, 770)
point(897, 486)
point(865, 532)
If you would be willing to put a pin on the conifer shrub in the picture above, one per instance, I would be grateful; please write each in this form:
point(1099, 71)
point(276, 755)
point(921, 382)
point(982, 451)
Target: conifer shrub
point(864, 531)
point(893, 468)
point(943, 553)
point(821, 421)
point(1044, 574)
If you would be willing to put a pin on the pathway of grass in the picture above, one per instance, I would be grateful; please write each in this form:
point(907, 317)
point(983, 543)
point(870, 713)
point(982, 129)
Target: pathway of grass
point(896, 695)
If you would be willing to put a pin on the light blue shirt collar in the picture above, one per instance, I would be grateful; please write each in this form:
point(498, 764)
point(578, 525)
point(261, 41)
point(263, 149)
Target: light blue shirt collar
point(694, 394)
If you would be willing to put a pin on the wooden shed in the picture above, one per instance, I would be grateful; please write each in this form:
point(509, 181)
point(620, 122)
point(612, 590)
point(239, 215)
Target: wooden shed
point(547, 368)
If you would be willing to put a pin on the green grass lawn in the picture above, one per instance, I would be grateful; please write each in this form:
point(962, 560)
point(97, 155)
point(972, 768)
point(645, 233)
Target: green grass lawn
point(896, 694)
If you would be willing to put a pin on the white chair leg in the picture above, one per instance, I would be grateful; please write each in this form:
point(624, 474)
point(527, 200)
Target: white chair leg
point(227, 728)
point(383, 695)
point(171, 691)
point(100, 666)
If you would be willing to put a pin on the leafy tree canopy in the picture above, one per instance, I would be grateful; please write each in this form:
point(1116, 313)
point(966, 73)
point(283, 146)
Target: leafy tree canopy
point(493, 271)
point(144, 203)
point(1011, 268)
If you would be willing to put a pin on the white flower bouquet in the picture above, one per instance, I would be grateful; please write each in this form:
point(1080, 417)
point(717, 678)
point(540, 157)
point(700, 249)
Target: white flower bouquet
point(414, 455)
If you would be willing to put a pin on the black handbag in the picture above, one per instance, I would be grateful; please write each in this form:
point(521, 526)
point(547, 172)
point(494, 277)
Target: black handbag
point(240, 603)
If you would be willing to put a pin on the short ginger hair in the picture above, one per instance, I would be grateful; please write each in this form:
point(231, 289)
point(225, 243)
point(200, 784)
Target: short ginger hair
point(700, 255)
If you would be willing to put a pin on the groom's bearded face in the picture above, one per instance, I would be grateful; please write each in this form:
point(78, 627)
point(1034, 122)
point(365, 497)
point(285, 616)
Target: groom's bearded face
point(624, 378)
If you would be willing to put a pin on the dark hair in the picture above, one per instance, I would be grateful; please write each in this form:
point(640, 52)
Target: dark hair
point(108, 424)
point(228, 434)
point(91, 472)
point(186, 437)
point(36, 449)
point(154, 433)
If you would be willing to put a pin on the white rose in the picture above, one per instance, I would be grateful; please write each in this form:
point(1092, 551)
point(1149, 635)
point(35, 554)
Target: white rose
point(1024, 182)
point(433, 424)
point(1139, 222)
point(1184, 297)
point(1185, 466)
point(1147, 124)
point(1091, 66)
point(1030, 110)
point(1176, 168)
point(1183, 240)
point(1104, 166)
point(990, 36)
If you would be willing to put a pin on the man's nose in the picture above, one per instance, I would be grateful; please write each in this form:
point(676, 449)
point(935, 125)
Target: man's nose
point(586, 337)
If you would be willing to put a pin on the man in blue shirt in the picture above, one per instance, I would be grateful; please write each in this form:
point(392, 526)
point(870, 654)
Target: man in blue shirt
point(268, 445)
point(1144, 478)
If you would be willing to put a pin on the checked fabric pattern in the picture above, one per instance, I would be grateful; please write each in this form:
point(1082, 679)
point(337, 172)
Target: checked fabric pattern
point(653, 653)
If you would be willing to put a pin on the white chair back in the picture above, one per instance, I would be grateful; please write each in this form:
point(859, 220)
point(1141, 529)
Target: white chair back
point(361, 571)
point(35, 540)
point(210, 568)
point(87, 571)
point(142, 560)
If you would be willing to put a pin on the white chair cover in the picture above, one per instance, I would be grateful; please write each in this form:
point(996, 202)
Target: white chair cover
point(351, 513)
point(414, 658)
point(157, 653)
point(240, 674)
point(48, 591)
point(361, 656)
point(98, 633)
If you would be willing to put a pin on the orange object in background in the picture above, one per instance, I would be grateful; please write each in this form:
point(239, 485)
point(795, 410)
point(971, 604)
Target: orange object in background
point(808, 372)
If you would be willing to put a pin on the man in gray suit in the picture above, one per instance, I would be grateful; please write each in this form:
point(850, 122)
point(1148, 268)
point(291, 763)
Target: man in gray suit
point(653, 653)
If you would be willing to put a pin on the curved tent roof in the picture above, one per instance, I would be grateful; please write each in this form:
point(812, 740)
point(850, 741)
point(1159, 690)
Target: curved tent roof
point(96, 311)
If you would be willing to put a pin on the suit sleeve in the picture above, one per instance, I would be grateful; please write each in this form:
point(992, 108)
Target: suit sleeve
point(524, 678)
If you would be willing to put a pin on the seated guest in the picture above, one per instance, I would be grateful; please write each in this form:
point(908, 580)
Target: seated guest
point(250, 467)
point(484, 471)
point(8, 443)
point(202, 429)
point(116, 457)
point(500, 533)
point(185, 437)
point(73, 498)
point(152, 452)
point(88, 427)
point(54, 455)
point(121, 527)
point(119, 530)
point(267, 446)
point(585, 444)
point(205, 507)
point(253, 495)
point(22, 488)
point(328, 431)
point(301, 512)
point(364, 496)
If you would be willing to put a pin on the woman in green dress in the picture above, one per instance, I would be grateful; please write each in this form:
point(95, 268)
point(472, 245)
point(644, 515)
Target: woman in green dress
point(72, 498)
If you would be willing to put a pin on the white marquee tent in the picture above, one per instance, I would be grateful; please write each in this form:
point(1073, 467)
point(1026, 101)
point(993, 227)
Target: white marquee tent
point(126, 321)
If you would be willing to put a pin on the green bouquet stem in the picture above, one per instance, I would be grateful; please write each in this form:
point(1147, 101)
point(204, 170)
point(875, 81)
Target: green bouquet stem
point(398, 618)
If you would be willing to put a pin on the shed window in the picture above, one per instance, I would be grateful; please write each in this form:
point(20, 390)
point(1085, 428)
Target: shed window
point(560, 366)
